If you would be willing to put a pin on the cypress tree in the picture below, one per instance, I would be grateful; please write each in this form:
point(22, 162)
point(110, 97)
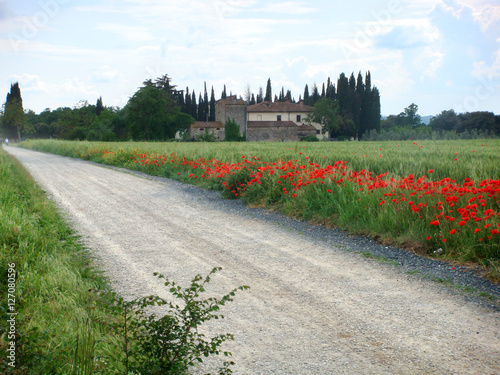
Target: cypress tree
point(194, 106)
point(360, 87)
point(206, 104)
point(269, 92)
point(342, 94)
point(13, 117)
point(315, 94)
point(330, 89)
point(98, 106)
point(224, 94)
point(323, 91)
point(187, 102)
point(201, 109)
point(282, 95)
point(368, 82)
point(252, 100)
point(375, 109)
point(212, 105)
point(367, 108)
point(307, 100)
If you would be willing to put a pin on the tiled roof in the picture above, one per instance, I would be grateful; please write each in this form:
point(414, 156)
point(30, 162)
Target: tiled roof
point(307, 127)
point(271, 124)
point(231, 100)
point(279, 107)
point(209, 124)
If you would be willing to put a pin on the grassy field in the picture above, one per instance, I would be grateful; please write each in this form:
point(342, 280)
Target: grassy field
point(440, 198)
point(51, 284)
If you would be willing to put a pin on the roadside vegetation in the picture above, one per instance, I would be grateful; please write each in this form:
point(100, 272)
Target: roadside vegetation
point(60, 315)
point(438, 198)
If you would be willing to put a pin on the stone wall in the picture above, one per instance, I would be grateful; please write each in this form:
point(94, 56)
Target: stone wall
point(213, 127)
point(232, 108)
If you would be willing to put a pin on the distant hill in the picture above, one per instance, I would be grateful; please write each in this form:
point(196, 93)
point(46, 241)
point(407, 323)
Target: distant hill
point(426, 119)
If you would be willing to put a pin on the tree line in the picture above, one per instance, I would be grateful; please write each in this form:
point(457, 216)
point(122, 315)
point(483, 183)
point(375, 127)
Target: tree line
point(158, 110)
point(408, 125)
point(349, 107)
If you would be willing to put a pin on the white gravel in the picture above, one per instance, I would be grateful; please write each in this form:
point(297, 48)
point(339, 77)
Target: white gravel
point(313, 307)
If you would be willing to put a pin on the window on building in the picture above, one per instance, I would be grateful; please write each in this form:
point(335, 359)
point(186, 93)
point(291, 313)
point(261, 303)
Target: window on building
point(201, 129)
point(279, 118)
point(259, 117)
point(318, 131)
point(299, 118)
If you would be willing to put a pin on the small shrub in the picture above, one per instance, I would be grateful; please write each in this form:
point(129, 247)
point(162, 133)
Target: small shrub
point(309, 138)
point(172, 344)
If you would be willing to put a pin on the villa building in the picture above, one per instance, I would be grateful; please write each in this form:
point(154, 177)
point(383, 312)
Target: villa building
point(266, 121)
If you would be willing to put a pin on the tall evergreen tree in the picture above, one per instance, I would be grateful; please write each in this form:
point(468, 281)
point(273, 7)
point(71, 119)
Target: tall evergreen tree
point(307, 99)
point(343, 94)
point(323, 91)
point(224, 93)
point(330, 89)
point(368, 81)
point(360, 87)
point(269, 92)
point(357, 104)
point(315, 94)
point(206, 104)
point(369, 119)
point(194, 107)
point(13, 117)
point(212, 105)
point(201, 109)
point(375, 110)
point(252, 100)
point(187, 102)
point(98, 106)
point(352, 83)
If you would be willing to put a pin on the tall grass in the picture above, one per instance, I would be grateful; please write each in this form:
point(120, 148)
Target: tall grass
point(61, 321)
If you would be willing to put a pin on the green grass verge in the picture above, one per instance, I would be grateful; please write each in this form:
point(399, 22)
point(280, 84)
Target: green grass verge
point(62, 303)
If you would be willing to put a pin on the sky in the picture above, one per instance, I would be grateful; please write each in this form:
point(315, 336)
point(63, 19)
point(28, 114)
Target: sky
point(438, 54)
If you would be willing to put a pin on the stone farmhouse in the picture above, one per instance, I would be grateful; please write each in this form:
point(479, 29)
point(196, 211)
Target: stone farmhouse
point(266, 121)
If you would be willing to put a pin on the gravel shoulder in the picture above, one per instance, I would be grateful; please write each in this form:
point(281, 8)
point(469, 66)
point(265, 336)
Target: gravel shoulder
point(316, 304)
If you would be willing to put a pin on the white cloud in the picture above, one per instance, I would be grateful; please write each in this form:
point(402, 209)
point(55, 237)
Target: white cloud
point(292, 8)
point(69, 88)
point(435, 59)
point(127, 32)
point(486, 12)
point(105, 74)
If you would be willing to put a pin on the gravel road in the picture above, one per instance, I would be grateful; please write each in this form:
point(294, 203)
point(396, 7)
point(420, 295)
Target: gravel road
point(315, 305)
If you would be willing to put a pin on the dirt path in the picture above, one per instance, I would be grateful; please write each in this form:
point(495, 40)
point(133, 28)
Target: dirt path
point(311, 309)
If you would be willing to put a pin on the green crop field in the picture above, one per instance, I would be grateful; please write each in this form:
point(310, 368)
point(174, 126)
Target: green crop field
point(425, 195)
